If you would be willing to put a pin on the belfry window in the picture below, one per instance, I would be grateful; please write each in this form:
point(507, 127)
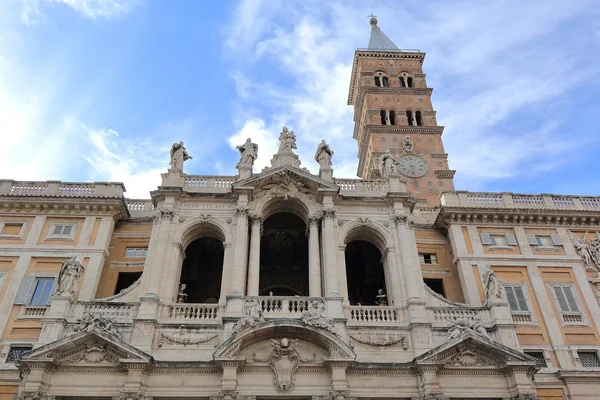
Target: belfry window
point(365, 275)
point(418, 118)
point(384, 81)
point(409, 118)
point(378, 81)
point(383, 116)
point(392, 118)
point(387, 117)
point(202, 270)
point(381, 80)
point(406, 80)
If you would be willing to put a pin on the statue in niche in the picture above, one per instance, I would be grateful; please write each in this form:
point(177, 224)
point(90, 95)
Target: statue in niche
point(407, 144)
point(323, 155)
point(70, 271)
point(248, 153)
point(493, 287)
point(387, 164)
point(588, 256)
point(287, 141)
point(381, 298)
point(182, 296)
point(178, 156)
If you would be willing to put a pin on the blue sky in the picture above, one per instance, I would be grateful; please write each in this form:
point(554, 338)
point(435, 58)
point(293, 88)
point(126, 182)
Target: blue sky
point(98, 90)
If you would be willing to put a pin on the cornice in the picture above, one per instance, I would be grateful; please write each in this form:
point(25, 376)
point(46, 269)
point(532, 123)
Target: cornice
point(424, 130)
point(397, 90)
point(82, 206)
point(515, 216)
point(445, 174)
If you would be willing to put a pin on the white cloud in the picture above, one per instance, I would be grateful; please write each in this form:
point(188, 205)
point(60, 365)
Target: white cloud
point(486, 62)
point(94, 9)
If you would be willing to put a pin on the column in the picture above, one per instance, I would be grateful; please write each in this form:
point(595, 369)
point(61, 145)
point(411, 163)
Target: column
point(91, 278)
point(465, 269)
point(314, 258)
point(403, 243)
point(329, 254)
point(254, 259)
point(238, 276)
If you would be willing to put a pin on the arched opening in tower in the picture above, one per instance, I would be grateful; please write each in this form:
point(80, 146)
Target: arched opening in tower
point(284, 256)
point(202, 270)
point(364, 274)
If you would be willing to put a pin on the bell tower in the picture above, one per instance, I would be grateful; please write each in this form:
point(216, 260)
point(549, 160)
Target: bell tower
point(393, 115)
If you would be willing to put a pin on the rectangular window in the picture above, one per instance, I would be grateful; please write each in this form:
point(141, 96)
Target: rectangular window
point(61, 231)
point(13, 229)
point(41, 291)
point(589, 359)
point(539, 358)
point(427, 259)
point(548, 241)
point(567, 304)
point(15, 352)
point(516, 298)
point(498, 239)
point(135, 252)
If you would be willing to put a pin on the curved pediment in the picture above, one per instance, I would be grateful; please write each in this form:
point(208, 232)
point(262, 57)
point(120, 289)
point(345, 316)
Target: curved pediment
point(323, 343)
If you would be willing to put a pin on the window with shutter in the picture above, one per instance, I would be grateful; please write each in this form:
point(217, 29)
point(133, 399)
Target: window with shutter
point(511, 239)
point(567, 304)
point(62, 231)
point(485, 238)
point(24, 289)
point(42, 291)
point(518, 304)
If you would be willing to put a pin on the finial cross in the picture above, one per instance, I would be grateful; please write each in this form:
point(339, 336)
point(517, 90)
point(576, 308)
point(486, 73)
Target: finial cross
point(372, 16)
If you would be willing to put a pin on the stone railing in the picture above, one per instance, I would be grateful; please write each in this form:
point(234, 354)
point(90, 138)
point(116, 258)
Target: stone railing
point(284, 306)
point(139, 208)
point(360, 187)
point(32, 312)
point(118, 312)
point(442, 316)
point(204, 183)
point(61, 189)
point(510, 200)
point(372, 315)
point(191, 312)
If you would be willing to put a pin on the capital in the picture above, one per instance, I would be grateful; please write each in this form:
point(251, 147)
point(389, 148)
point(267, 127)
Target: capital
point(328, 214)
point(241, 212)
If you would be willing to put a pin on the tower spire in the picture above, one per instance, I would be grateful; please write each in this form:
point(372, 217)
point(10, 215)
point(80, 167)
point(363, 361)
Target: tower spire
point(378, 39)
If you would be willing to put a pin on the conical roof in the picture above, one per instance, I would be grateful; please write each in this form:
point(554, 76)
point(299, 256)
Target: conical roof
point(378, 39)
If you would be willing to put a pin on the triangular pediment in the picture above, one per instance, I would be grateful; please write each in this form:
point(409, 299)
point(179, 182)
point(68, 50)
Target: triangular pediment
point(285, 181)
point(471, 350)
point(93, 347)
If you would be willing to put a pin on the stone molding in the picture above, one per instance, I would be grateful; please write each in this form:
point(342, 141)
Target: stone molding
point(230, 394)
point(32, 395)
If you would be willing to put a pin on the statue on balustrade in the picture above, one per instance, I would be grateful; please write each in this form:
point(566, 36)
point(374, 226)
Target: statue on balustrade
point(323, 155)
point(381, 298)
point(287, 141)
point(387, 164)
point(248, 153)
point(493, 287)
point(182, 296)
point(178, 156)
point(70, 271)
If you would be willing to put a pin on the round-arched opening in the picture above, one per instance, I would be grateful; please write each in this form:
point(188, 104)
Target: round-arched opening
point(284, 256)
point(202, 271)
point(365, 274)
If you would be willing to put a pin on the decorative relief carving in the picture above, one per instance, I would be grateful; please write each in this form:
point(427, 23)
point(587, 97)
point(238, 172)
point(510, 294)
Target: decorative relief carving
point(164, 214)
point(528, 396)
point(231, 395)
point(363, 221)
point(132, 396)
point(388, 341)
point(335, 395)
point(253, 315)
point(432, 396)
point(241, 212)
point(284, 360)
point(466, 324)
point(90, 322)
point(284, 185)
point(181, 338)
point(315, 316)
point(32, 395)
point(328, 214)
point(466, 358)
point(204, 218)
point(589, 253)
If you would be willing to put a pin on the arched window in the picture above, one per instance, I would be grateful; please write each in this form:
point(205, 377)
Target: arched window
point(418, 118)
point(377, 81)
point(392, 117)
point(381, 79)
point(202, 270)
point(406, 80)
point(385, 81)
point(284, 256)
point(365, 274)
point(409, 81)
point(383, 117)
point(409, 117)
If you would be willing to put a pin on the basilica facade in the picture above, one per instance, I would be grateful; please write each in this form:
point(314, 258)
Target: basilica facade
point(285, 284)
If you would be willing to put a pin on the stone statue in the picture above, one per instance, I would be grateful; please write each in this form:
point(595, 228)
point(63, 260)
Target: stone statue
point(253, 315)
point(466, 324)
point(493, 288)
point(323, 155)
point(70, 271)
point(182, 296)
point(387, 164)
point(287, 141)
point(248, 153)
point(315, 316)
point(584, 251)
point(381, 298)
point(90, 322)
point(407, 144)
point(178, 156)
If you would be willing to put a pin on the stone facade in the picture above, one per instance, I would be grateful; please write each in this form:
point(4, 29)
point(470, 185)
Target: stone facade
point(282, 283)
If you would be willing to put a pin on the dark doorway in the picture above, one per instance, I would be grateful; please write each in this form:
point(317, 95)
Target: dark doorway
point(202, 270)
point(284, 256)
point(364, 273)
point(126, 279)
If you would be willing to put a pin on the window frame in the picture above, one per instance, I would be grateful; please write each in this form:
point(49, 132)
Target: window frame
point(546, 359)
point(422, 260)
point(71, 236)
point(580, 310)
point(144, 250)
point(17, 345)
point(525, 291)
point(31, 294)
point(511, 240)
point(534, 241)
point(586, 350)
point(3, 224)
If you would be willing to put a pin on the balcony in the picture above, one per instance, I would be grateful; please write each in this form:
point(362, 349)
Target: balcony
point(362, 188)
point(61, 189)
point(205, 183)
point(519, 201)
point(373, 315)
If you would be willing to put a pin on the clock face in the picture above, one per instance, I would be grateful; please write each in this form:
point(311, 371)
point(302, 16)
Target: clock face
point(412, 165)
